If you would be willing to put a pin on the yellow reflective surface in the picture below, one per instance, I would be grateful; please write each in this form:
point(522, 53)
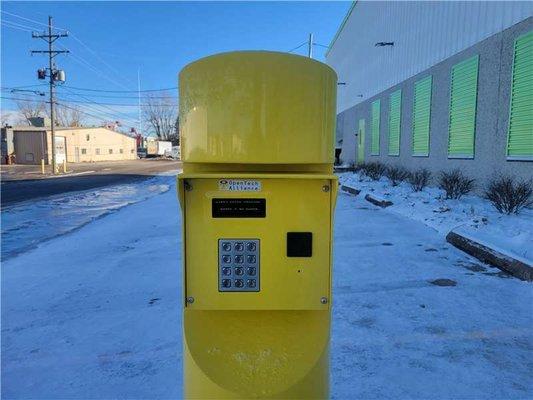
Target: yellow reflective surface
point(269, 118)
point(257, 107)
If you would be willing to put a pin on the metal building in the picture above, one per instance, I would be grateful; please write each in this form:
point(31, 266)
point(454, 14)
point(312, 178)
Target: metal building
point(438, 85)
point(30, 145)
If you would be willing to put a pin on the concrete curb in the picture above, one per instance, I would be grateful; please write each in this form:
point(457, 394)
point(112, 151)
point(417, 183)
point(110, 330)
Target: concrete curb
point(377, 201)
point(350, 190)
point(342, 169)
point(485, 254)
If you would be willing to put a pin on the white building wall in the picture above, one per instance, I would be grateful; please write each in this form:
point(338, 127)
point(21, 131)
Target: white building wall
point(424, 33)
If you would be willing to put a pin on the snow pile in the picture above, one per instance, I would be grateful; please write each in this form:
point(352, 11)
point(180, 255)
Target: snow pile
point(470, 216)
point(25, 225)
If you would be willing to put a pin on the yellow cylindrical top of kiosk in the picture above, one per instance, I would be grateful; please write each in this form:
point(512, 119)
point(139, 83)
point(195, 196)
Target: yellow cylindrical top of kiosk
point(257, 107)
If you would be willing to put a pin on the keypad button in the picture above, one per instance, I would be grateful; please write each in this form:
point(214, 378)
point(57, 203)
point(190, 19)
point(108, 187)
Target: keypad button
point(251, 283)
point(226, 246)
point(239, 265)
point(226, 283)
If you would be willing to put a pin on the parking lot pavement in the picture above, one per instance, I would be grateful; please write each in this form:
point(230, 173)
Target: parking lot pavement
point(151, 166)
point(20, 183)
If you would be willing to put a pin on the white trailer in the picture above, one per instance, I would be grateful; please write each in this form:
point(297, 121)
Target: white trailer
point(158, 148)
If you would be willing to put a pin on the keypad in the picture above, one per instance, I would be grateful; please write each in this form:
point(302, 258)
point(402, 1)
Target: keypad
point(238, 265)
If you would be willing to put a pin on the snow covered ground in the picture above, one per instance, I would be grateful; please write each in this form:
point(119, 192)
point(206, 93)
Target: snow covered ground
point(471, 216)
point(25, 225)
point(96, 313)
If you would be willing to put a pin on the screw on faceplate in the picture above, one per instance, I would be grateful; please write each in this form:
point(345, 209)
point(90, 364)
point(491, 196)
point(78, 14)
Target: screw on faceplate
point(188, 186)
point(324, 300)
point(325, 188)
point(190, 299)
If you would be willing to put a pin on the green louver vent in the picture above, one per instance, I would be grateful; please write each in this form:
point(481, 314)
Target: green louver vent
point(376, 110)
point(395, 112)
point(422, 116)
point(463, 109)
point(520, 139)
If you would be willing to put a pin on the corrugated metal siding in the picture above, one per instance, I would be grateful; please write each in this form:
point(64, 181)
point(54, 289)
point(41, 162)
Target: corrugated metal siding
point(463, 101)
point(30, 147)
point(376, 111)
point(520, 139)
point(424, 33)
point(422, 116)
point(395, 113)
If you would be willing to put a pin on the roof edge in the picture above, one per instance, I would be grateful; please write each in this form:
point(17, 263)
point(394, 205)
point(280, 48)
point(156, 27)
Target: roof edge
point(341, 26)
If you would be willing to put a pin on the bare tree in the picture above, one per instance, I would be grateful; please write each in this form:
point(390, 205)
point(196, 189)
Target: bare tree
point(5, 117)
point(71, 116)
point(67, 116)
point(160, 115)
point(30, 108)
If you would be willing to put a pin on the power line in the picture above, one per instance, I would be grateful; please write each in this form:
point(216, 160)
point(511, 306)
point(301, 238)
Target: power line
point(117, 73)
point(123, 91)
point(29, 19)
point(124, 116)
point(23, 87)
point(307, 42)
point(80, 59)
point(93, 95)
point(106, 91)
point(14, 25)
point(84, 63)
point(297, 47)
point(125, 97)
point(120, 104)
point(22, 99)
point(111, 111)
point(71, 108)
point(77, 109)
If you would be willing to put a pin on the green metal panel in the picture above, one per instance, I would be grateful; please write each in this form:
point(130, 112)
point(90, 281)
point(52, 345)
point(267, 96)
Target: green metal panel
point(422, 116)
point(463, 101)
point(395, 116)
point(520, 136)
point(376, 111)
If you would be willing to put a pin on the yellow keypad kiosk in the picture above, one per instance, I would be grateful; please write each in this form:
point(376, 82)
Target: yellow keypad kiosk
point(257, 195)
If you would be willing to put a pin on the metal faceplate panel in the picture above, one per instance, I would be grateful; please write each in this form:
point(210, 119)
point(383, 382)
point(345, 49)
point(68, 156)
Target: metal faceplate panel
point(284, 282)
point(238, 265)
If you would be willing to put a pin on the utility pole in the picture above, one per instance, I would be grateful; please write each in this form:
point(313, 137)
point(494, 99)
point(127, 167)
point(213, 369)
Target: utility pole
point(310, 46)
point(50, 38)
point(139, 96)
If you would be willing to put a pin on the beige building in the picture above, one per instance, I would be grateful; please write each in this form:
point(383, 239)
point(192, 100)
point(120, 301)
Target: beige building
point(33, 144)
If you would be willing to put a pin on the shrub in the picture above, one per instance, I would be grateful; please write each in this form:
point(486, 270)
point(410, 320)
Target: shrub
point(359, 167)
point(396, 174)
point(374, 170)
point(508, 195)
point(419, 179)
point(455, 184)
